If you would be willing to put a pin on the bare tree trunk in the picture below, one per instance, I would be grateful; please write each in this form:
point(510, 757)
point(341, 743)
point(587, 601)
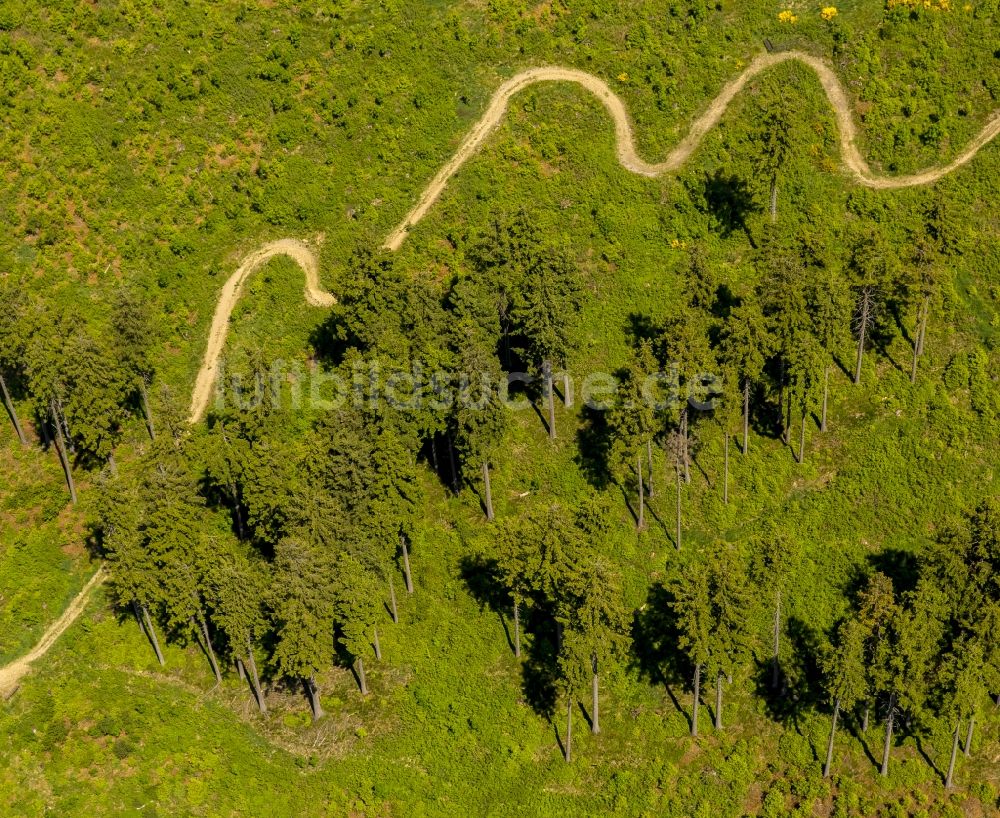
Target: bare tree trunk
point(862, 331)
point(567, 391)
point(746, 414)
point(864, 721)
point(392, 600)
point(362, 677)
point(890, 718)
point(687, 457)
point(826, 395)
point(488, 490)
point(313, 692)
point(696, 698)
point(151, 633)
point(950, 779)
point(725, 468)
point(12, 411)
point(406, 565)
point(649, 468)
point(833, 732)
point(922, 333)
point(144, 402)
point(258, 693)
point(240, 670)
point(774, 199)
point(454, 465)
point(569, 726)
point(718, 701)
point(802, 437)
point(517, 629)
point(641, 523)
point(677, 470)
point(775, 665)
point(595, 721)
point(202, 627)
point(968, 736)
point(61, 451)
point(376, 645)
point(550, 397)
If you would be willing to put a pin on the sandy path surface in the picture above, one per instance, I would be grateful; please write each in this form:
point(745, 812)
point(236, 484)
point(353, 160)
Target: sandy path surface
point(629, 158)
point(306, 258)
point(296, 250)
point(11, 675)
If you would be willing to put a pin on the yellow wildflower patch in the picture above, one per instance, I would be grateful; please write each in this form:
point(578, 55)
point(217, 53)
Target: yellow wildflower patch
point(787, 17)
point(828, 13)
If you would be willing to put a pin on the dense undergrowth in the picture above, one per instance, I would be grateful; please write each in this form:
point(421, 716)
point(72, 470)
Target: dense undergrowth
point(154, 145)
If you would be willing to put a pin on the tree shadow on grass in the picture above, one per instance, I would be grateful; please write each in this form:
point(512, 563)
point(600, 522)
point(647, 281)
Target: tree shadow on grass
point(594, 447)
point(654, 638)
point(540, 666)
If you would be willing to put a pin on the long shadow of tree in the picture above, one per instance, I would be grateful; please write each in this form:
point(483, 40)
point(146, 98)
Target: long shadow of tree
point(593, 440)
point(727, 199)
point(654, 645)
point(540, 666)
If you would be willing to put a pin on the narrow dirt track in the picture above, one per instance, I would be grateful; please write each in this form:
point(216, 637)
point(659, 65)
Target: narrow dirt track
point(11, 675)
point(629, 158)
point(306, 258)
point(296, 250)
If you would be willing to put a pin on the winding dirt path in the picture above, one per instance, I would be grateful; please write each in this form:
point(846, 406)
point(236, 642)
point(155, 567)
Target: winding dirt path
point(854, 163)
point(10, 675)
point(301, 254)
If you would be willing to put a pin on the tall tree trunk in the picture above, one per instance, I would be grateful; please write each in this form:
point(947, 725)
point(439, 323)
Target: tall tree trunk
point(802, 437)
point(392, 600)
point(61, 451)
point(567, 391)
point(151, 633)
point(775, 665)
point(746, 414)
point(550, 397)
point(649, 468)
point(641, 523)
point(833, 732)
point(687, 456)
point(12, 411)
point(862, 330)
point(774, 199)
point(240, 670)
point(406, 565)
point(258, 693)
point(826, 395)
point(144, 402)
point(112, 464)
point(695, 699)
point(362, 677)
point(314, 703)
point(488, 489)
point(913, 365)
point(569, 726)
point(950, 778)
point(968, 736)
point(595, 722)
point(202, 627)
point(677, 470)
point(376, 645)
point(517, 629)
point(922, 334)
point(454, 465)
point(864, 721)
point(890, 718)
point(718, 701)
point(725, 467)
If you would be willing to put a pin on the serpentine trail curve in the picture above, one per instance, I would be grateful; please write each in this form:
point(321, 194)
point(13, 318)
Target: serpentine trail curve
point(854, 163)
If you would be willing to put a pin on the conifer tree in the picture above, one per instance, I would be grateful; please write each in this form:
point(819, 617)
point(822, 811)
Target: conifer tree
point(355, 610)
point(13, 340)
point(692, 610)
point(845, 676)
point(134, 335)
point(746, 345)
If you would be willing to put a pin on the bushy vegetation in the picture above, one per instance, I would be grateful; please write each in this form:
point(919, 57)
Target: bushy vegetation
point(406, 612)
